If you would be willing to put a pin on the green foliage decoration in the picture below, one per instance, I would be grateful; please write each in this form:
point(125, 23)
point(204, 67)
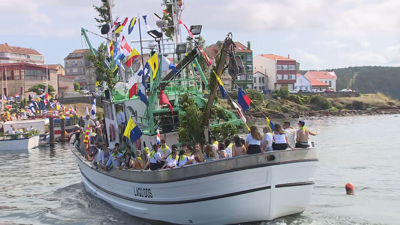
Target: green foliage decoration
point(41, 88)
point(103, 74)
point(77, 86)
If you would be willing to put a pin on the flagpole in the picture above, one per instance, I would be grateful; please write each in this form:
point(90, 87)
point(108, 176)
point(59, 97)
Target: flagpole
point(2, 89)
point(141, 52)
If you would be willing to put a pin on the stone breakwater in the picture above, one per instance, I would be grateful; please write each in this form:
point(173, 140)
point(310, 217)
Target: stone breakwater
point(320, 113)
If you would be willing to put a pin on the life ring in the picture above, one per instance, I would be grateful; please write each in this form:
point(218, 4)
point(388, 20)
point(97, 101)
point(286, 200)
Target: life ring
point(112, 133)
point(138, 144)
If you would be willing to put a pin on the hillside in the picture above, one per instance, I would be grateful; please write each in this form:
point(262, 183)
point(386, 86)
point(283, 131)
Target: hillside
point(370, 79)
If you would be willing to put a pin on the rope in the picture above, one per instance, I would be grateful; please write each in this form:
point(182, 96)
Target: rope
point(88, 31)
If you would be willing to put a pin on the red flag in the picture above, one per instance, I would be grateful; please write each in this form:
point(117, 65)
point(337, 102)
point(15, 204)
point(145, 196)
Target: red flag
point(133, 91)
point(164, 100)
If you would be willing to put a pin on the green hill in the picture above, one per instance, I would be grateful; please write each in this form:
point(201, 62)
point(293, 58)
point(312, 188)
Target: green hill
point(370, 79)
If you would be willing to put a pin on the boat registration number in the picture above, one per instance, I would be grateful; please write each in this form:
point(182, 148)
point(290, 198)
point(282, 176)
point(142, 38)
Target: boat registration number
point(143, 192)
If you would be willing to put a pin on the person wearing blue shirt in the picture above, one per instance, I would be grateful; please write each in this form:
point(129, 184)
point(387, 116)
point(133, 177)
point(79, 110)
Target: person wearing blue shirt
point(113, 161)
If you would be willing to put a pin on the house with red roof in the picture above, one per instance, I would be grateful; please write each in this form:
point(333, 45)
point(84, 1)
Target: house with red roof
point(280, 70)
point(322, 80)
point(13, 54)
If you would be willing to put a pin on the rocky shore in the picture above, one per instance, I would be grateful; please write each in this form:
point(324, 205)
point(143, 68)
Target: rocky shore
point(320, 113)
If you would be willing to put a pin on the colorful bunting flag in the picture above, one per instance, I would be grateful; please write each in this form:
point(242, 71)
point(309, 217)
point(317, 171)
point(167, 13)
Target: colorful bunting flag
point(111, 48)
point(164, 100)
point(131, 25)
point(132, 131)
point(158, 141)
point(243, 100)
point(93, 111)
point(121, 26)
point(145, 22)
point(153, 62)
point(221, 85)
point(134, 55)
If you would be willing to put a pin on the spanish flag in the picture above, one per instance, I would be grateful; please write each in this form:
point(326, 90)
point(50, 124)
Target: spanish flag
point(134, 55)
point(153, 62)
point(132, 131)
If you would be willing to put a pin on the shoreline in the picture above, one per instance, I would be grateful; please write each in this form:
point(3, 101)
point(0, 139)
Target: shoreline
point(321, 113)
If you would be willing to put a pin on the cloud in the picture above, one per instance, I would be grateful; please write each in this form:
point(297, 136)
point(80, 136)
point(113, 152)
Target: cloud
point(308, 60)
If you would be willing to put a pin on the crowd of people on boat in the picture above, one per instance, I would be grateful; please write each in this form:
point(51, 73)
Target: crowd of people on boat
point(22, 130)
point(164, 157)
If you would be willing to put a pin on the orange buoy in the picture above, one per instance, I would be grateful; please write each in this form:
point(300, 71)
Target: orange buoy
point(349, 189)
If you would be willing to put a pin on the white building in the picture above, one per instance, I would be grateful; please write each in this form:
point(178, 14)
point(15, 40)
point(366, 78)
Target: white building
point(280, 70)
point(260, 81)
point(326, 77)
point(302, 83)
point(12, 54)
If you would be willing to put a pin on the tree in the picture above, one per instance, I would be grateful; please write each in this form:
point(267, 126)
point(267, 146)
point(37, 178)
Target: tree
point(41, 88)
point(103, 74)
point(77, 86)
point(104, 13)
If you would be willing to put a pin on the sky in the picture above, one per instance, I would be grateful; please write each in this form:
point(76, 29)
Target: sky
point(320, 34)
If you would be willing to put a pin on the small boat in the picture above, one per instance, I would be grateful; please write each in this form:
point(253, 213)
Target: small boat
point(18, 142)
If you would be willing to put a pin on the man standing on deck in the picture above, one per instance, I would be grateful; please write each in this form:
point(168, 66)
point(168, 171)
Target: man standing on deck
point(121, 123)
point(290, 133)
point(302, 135)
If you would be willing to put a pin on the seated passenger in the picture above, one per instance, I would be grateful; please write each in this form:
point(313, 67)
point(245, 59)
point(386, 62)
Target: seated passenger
point(104, 155)
point(244, 144)
point(189, 153)
point(198, 156)
point(197, 146)
point(228, 145)
point(164, 150)
point(221, 153)
point(146, 157)
point(113, 160)
point(182, 159)
point(280, 140)
point(171, 161)
point(302, 135)
point(209, 155)
point(238, 149)
point(253, 141)
point(137, 162)
point(184, 146)
point(127, 157)
point(266, 142)
point(155, 159)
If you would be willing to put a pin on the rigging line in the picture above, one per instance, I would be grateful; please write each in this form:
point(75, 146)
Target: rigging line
point(88, 31)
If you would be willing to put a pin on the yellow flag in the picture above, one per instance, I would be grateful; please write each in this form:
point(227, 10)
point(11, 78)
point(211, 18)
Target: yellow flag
point(97, 83)
point(153, 62)
point(129, 128)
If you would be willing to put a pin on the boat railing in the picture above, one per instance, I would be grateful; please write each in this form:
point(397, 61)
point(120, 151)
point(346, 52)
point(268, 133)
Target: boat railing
point(5, 136)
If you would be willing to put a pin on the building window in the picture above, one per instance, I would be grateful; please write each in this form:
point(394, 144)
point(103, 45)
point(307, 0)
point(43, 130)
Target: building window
point(249, 77)
point(285, 77)
point(330, 83)
point(279, 67)
point(292, 77)
point(255, 80)
point(249, 58)
point(284, 67)
point(249, 67)
point(279, 77)
point(262, 80)
point(66, 62)
point(259, 80)
point(292, 67)
point(74, 70)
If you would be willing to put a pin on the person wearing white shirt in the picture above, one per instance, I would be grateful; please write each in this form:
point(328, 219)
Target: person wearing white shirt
point(171, 161)
point(182, 159)
point(253, 141)
point(121, 122)
point(266, 142)
point(290, 133)
point(155, 159)
point(280, 140)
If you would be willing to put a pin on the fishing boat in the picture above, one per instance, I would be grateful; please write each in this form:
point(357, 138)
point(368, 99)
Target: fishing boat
point(247, 188)
point(18, 142)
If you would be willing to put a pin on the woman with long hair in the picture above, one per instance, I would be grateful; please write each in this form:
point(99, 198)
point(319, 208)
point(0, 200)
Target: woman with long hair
point(222, 151)
point(266, 142)
point(280, 140)
point(238, 149)
point(253, 141)
point(209, 154)
point(182, 159)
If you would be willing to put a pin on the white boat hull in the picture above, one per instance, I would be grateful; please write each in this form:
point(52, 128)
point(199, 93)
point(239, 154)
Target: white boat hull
point(19, 144)
point(261, 193)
